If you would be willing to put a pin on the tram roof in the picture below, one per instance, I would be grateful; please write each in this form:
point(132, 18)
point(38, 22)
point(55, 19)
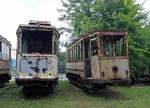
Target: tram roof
point(39, 25)
point(104, 32)
point(100, 32)
point(5, 40)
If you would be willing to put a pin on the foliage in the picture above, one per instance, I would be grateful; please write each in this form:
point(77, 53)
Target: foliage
point(62, 62)
point(127, 15)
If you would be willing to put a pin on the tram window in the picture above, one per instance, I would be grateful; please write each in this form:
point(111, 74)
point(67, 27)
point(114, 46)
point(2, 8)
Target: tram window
point(76, 53)
point(72, 54)
point(55, 48)
point(86, 45)
point(76, 50)
point(73, 51)
point(37, 42)
point(113, 46)
point(68, 55)
point(94, 48)
point(18, 46)
point(0, 49)
point(6, 53)
point(81, 49)
point(3, 51)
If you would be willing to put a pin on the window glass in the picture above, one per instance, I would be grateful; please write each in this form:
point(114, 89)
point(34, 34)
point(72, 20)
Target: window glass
point(3, 51)
point(71, 54)
point(76, 53)
point(94, 48)
point(68, 54)
point(35, 41)
point(113, 46)
point(6, 52)
point(79, 51)
point(0, 50)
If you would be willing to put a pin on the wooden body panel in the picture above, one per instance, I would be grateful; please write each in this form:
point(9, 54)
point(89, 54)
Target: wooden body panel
point(5, 60)
point(75, 68)
point(102, 69)
point(95, 67)
point(4, 67)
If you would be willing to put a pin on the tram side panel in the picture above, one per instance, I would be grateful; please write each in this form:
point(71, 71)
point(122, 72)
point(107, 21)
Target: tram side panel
point(5, 60)
point(76, 68)
point(5, 71)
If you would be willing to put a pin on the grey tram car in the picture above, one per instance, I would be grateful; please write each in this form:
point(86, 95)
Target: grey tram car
point(5, 61)
point(37, 55)
point(97, 59)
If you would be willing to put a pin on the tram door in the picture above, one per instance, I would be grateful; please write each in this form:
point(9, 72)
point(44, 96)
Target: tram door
point(87, 57)
point(95, 61)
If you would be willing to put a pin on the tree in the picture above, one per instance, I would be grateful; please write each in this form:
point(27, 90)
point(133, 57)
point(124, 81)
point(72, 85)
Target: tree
point(84, 15)
point(62, 61)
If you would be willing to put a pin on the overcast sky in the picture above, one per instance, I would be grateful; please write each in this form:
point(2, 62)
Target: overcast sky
point(15, 12)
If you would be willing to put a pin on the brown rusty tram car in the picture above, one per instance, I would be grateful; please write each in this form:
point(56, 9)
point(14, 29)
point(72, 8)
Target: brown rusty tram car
point(97, 59)
point(5, 61)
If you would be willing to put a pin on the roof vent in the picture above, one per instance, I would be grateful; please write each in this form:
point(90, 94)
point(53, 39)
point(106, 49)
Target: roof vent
point(44, 23)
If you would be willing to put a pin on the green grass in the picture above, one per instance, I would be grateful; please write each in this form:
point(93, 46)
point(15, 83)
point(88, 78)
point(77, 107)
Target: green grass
point(68, 96)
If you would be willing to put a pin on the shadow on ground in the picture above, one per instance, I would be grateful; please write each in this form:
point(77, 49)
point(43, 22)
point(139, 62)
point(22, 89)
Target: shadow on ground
point(107, 93)
point(36, 92)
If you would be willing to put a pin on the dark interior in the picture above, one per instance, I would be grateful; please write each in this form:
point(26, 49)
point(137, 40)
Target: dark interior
point(111, 39)
point(0, 49)
point(34, 41)
point(87, 59)
point(0, 46)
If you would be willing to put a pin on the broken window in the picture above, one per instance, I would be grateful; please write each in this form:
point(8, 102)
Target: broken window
point(0, 49)
point(71, 54)
point(35, 41)
point(94, 48)
point(86, 44)
point(78, 50)
point(81, 55)
point(113, 46)
point(68, 55)
point(74, 53)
